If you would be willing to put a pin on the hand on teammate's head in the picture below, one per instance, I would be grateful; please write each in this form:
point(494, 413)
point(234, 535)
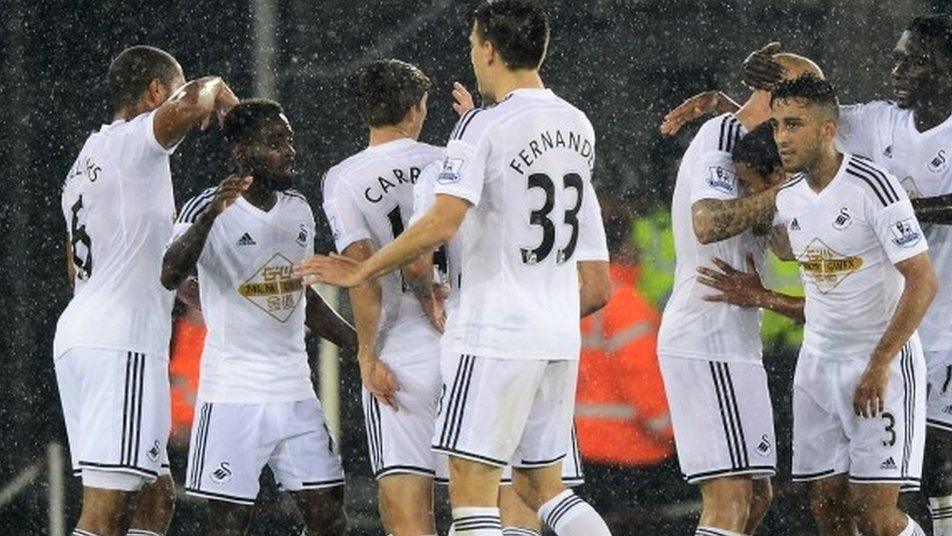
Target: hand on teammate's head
point(760, 70)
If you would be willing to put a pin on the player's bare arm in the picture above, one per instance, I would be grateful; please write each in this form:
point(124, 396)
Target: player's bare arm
point(920, 288)
point(745, 289)
point(595, 286)
point(367, 301)
point(70, 267)
point(705, 103)
point(194, 104)
point(418, 276)
point(327, 323)
point(717, 219)
point(438, 225)
point(182, 256)
point(936, 209)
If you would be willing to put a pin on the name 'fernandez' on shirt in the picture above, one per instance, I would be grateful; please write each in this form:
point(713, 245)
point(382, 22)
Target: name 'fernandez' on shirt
point(385, 184)
point(546, 140)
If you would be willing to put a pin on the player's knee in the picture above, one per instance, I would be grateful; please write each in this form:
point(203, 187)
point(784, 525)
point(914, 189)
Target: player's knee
point(728, 501)
point(827, 509)
point(760, 499)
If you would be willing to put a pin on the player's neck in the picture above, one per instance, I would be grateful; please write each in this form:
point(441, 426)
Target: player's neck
point(381, 135)
point(933, 113)
point(755, 111)
point(827, 166)
point(127, 113)
point(509, 81)
point(261, 198)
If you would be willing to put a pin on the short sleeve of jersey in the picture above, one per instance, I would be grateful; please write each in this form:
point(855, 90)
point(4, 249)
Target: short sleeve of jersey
point(343, 215)
point(464, 167)
point(148, 134)
point(713, 177)
point(857, 128)
point(898, 230)
point(592, 244)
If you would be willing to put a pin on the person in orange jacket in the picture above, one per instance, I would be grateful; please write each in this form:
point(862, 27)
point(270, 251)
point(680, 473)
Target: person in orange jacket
point(621, 413)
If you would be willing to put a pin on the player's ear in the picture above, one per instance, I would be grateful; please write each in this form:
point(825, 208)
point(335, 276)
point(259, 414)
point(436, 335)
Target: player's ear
point(156, 92)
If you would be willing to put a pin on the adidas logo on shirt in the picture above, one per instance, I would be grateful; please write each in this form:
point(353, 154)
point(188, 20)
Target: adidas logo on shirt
point(888, 464)
point(246, 240)
point(795, 225)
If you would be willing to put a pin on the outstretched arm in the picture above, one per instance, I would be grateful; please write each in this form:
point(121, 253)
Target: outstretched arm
point(745, 289)
point(327, 323)
point(718, 219)
point(192, 105)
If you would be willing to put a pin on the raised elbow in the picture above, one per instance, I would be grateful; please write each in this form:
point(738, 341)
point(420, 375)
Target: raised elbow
point(169, 277)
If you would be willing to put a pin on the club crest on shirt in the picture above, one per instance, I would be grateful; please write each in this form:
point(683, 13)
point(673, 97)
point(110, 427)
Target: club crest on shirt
point(825, 266)
point(906, 233)
point(450, 172)
point(273, 288)
point(939, 162)
point(843, 220)
point(722, 180)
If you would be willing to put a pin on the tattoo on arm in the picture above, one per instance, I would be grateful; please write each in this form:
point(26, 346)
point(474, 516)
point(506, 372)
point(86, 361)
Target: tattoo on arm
point(715, 220)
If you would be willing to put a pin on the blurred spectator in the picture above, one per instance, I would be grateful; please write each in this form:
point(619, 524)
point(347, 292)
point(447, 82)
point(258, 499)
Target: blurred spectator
point(624, 429)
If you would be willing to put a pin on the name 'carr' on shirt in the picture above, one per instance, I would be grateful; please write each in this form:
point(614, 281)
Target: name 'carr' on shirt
point(546, 140)
point(400, 176)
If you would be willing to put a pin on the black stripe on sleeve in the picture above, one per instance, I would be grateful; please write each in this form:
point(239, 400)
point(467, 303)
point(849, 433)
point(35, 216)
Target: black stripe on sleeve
point(880, 177)
point(869, 182)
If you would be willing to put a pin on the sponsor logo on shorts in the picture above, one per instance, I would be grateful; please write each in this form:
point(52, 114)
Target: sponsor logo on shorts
point(764, 447)
point(890, 463)
point(154, 451)
point(222, 474)
point(947, 410)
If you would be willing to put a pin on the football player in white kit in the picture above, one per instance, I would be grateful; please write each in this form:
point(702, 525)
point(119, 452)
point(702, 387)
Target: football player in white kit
point(112, 370)
point(256, 404)
point(910, 138)
point(710, 353)
point(521, 170)
point(368, 201)
point(859, 388)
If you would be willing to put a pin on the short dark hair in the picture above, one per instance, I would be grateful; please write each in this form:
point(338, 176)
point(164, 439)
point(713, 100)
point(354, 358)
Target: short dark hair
point(518, 28)
point(387, 89)
point(758, 149)
point(244, 122)
point(131, 72)
point(810, 88)
point(936, 29)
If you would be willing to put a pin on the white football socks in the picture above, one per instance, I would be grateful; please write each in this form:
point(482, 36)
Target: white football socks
point(476, 521)
point(518, 531)
point(941, 510)
point(568, 515)
point(712, 531)
point(912, 529)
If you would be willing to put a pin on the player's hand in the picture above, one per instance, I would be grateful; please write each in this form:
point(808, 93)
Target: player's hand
point(228, 191)
point(760, 70)
point(379, 381)
point(462, 99)
point(332, 269)
point(693, 108)
point(225, 101)
point(433, 306)
point(737, 288)
point(870, 397)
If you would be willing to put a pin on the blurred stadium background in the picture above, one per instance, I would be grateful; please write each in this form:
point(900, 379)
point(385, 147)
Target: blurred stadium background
point(625, 62)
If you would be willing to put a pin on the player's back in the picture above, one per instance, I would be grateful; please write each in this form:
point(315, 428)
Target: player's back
point(118, 206)
point(692, 327)
point(370, 196)
point(526, 165)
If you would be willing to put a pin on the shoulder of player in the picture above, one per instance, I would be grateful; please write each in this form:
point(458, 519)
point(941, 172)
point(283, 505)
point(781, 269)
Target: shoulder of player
point(791, 187)
point(877, 184)
point(718, 134)
point(296, 196)
point(196, 205)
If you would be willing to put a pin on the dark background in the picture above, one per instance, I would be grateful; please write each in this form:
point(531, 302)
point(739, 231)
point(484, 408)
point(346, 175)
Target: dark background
point(623, 62)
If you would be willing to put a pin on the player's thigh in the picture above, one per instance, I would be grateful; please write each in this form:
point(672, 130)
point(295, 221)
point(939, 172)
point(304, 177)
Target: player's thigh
point(888, 448)
point(398, 441)
point(121, 415)
point(154, 505)
point(322, 510)
point(229, 446)
point(871, 500)
point(514, 512)
point(722, 417)
point(484, 406)
point(820, 444)
point(536, 485)
point(228, 518)
point(305, 456)
point(472, 482)
point(547, 436)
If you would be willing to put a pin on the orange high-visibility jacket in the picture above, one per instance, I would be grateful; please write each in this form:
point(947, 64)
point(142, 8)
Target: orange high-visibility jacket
point(621, 412)
point(188, 340)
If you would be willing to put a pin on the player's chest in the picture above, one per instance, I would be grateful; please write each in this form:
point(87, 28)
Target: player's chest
point(828, 228)
point(922, 163)
point(244, 243)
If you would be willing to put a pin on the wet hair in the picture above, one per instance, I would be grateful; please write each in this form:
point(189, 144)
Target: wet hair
point(387, 89)
point(810, 88)
point(244, 123)
point(936, 30)
point(758, 149)
point(519, 29)
point(131, 72)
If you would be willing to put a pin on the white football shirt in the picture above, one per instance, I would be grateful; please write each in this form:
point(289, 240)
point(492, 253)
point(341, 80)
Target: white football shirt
point(253, 307)
point(690, 326)
point(118, 206)
point(370, 196)
point(525, 166)
point(846, 240)
point(887, 135)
